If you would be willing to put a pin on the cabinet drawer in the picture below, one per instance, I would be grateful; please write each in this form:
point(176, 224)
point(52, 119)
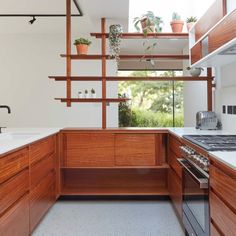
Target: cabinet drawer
point(41, 199)
point(223, 185)
point(175, 190)
point(214, 231)
point(42, 148)
point(88, 149)
point(13, 164)
point(174, 146)
point(15, 222)
point(13, 189)
point(135, 150)
point(41, 169)
point(175, 164)
point(223, 217)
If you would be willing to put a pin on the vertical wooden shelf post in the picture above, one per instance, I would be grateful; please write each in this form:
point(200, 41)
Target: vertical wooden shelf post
point(209, 89)
point(103, 43)
point(68, 52)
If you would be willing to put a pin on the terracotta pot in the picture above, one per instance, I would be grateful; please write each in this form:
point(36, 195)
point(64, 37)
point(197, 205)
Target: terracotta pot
point(189, 25)
point(149, 29)
point(82, 49)
point(177, 26)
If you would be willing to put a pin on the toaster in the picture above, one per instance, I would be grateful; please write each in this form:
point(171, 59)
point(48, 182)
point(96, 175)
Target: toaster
point(206, 120)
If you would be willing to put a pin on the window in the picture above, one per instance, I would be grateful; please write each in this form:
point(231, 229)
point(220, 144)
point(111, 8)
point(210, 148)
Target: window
point(153, 103)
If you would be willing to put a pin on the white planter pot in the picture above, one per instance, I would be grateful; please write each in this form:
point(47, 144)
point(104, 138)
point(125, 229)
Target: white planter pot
point(93, 95)
point(86, 95)
point(195, 72)
point(80, 95)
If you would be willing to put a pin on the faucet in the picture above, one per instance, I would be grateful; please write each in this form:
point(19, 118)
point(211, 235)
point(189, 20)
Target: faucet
point(7, 107)
point(8, 110)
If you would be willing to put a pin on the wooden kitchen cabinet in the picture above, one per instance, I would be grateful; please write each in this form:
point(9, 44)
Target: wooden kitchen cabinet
point(88, 150)
point(135, 150)
point(222, 199)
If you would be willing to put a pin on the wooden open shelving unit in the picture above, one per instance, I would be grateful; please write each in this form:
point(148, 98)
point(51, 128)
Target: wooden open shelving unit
point(104, 57)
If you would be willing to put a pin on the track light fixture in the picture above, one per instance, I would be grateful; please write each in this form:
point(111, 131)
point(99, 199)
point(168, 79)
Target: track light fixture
point(31, 22)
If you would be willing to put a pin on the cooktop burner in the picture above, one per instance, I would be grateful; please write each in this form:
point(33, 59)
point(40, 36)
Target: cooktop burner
point(214, 142)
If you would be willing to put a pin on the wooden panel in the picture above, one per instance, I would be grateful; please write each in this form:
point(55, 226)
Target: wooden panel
point(89, 149)
point(175, 190)
point(135, 149)
point(174, 145)
point(15, 222)
point(224, 185)
point(114, 182)
point(13, 163)
point(223, 217)
point(223, 33)
point(215, 13)
point(196, 52)
point(214, 231)
point(13, 189)
point(175, 164)
point(41, 169)
point(41, 199)
point(42, 148)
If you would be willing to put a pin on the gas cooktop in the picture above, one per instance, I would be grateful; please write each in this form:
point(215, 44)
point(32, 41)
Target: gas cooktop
point(214, 142)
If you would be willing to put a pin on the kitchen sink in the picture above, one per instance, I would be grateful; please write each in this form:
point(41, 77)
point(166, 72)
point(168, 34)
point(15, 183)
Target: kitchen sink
point(16, 136)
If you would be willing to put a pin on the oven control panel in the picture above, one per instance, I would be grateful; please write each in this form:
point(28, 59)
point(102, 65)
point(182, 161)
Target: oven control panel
point(201, 161)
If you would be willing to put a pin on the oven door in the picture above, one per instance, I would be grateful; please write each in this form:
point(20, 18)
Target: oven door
point(195, 200)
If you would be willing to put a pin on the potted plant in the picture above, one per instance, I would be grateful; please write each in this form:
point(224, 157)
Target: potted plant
point(93, 93)
point(190, 22)
point(86, 94)
point(149, 23)
point(195, 71)
point(115, 33)
point(82, 46)
point(176, 23)
point(80, 95)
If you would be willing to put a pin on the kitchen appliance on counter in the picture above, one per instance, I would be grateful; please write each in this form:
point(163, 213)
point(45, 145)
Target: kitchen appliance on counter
point(196, 217)
point(206, 120)
point(213, 142)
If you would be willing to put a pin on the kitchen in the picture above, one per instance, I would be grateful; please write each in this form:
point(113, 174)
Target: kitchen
point(84, 158)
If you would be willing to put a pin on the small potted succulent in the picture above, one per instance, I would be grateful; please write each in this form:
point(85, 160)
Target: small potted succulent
point(195, 71)
point(80, 95)
point(82, 46)
point(190, 22)
point(176, 23)
point(93, 93)
point(86, 94)
point(149, 23)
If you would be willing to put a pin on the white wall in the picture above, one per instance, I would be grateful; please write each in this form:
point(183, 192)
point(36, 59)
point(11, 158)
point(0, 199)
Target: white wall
point(195, 97)
point(226, 94)
point(26, 61)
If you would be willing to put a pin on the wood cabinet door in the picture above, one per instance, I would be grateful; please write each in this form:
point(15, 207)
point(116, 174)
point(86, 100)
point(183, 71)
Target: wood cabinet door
point(16, 220)
point(175, 191)
point(135, 150)
point(88, 150)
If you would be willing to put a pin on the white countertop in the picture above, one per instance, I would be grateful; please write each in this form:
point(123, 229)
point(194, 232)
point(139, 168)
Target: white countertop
point(13, 138)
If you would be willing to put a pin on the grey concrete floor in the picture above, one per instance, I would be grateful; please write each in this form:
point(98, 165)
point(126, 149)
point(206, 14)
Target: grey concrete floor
point(110, 218)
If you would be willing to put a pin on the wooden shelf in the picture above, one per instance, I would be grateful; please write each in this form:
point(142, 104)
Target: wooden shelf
point(165, 166)
point(90, 100)
point(142, 36)
point(115, 191)
point(126, 57)
point(128, 78)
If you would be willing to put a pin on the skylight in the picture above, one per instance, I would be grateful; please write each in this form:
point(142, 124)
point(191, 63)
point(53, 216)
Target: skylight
point(165, 8)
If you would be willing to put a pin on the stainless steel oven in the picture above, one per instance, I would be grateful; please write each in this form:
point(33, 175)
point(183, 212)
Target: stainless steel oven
point(195, 198)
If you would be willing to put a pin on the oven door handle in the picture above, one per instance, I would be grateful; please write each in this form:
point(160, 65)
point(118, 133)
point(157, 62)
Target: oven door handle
point(203, 182)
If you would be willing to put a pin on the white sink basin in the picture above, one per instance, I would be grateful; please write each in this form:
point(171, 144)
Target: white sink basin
point(16, 136)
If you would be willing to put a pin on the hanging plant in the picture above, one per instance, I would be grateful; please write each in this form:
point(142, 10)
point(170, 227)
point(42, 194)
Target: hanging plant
point(115, 32)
